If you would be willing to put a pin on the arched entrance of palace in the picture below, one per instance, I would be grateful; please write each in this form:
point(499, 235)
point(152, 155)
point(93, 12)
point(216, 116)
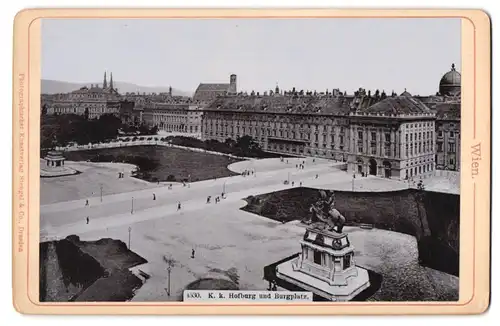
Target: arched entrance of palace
point(373, 167)
point(387, 169)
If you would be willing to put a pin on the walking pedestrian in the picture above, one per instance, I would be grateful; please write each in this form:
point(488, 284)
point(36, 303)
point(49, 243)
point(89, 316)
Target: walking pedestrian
point(293, 182)
point(86, 202)
point(88, 220)
point(154, 196)
point(208, 199)
point(192, 253)
point(301, 183)
point(316, 176)
point(178, 205)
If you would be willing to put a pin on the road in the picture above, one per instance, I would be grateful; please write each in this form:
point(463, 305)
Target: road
point(64, 218)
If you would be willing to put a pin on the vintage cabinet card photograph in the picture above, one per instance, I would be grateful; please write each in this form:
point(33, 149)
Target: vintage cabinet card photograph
point(251, 161)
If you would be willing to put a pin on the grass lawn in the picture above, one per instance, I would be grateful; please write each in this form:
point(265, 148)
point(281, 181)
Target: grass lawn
point(159, 163)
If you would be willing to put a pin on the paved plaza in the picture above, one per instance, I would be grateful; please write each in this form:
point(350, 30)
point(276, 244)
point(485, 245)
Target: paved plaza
point(222, 235)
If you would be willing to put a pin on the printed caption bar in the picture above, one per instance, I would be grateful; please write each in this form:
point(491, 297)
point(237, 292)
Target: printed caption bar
point(247, 296)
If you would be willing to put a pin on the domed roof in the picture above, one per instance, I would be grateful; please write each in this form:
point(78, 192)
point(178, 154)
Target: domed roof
point(405, 93)
point(450, 83)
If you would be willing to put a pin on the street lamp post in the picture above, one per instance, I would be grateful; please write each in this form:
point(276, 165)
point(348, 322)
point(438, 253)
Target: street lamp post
point(101, 193)
point(353, 177)
point(129, 230)
point(169, 269)
point(170, 264)
point(132, 209)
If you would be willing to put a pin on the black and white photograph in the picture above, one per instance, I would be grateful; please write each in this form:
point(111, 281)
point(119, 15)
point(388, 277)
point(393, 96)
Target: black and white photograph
point(288, 159)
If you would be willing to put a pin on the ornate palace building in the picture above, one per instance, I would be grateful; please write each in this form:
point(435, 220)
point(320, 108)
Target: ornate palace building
point(447, 106)
point(389, 136)
point(93, 101)
point(174, 117)
point(393, 138)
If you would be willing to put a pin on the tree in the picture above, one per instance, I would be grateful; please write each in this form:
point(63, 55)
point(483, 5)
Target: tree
point(246, 145)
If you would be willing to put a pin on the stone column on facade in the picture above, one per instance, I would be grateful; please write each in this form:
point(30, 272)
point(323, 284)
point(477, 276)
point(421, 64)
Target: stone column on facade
point(382, 142)
point(365, 140)
point(353, 140)
point(393, 145)
point(398, 145)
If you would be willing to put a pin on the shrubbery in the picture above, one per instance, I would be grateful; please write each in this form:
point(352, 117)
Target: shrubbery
point(61, 130)
point(244, 147)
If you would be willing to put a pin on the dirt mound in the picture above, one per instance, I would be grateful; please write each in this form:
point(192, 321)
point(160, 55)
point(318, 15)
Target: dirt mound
point(75, 270)
point(212, 284)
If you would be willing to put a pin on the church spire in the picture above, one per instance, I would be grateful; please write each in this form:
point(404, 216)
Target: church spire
point(104, 83)
point(111, 81)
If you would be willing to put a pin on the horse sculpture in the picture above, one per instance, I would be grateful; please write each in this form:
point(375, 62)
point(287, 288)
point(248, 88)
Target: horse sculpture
point(324, 211)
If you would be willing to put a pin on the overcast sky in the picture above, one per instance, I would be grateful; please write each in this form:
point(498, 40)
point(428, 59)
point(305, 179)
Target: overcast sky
point(314, 54)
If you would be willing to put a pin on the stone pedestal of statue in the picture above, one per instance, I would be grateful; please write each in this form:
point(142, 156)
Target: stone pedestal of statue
point(325, 266)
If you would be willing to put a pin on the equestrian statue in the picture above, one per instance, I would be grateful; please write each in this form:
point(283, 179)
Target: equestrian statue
point(324, 212)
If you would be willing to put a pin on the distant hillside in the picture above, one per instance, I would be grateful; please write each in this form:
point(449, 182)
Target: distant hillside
point(56, 86)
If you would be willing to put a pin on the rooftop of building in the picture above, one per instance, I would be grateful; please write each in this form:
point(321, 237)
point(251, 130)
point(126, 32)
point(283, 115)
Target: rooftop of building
point(283, 104)
point(397, 105)
point(212, 87)
point(448, 110)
